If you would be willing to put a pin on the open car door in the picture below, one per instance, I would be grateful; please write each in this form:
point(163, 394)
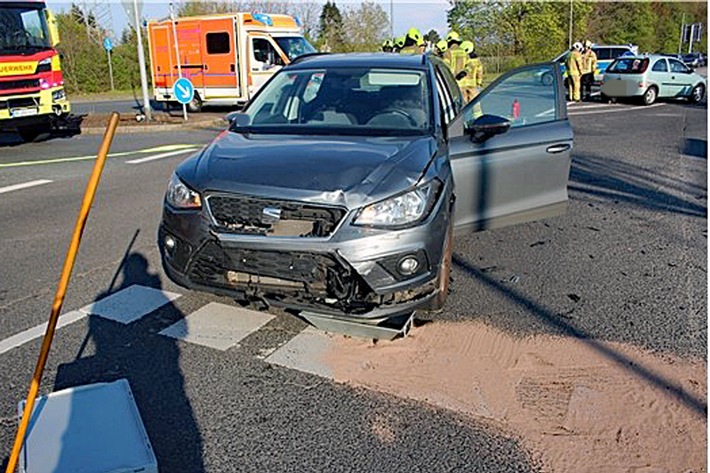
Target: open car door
point(510, 151)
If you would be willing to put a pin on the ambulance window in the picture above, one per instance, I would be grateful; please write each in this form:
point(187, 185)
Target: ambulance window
point(265, 52)
point(218, 43)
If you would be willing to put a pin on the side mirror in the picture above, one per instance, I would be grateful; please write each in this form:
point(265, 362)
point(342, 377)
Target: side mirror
point(238, 119)
point(486, 126)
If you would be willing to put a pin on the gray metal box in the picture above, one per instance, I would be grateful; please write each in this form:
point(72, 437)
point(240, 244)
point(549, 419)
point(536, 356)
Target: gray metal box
point(88, 429)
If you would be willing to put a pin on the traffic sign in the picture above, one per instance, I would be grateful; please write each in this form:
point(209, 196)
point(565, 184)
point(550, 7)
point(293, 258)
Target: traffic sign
point(183, 90)
point(108, 45)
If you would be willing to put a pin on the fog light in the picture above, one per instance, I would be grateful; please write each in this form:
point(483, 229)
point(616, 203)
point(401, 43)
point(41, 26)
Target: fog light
point(408, 265)
point(170, 243)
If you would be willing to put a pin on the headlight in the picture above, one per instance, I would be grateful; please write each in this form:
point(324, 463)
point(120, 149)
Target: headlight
point(180, 196)
point(401, 210)
point(58, 95)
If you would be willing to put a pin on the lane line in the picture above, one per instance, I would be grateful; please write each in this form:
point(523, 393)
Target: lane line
point(156, 149)
point(625, 109)
point(160, 156)
point(24, 185)
point(595, 105)
point(38, 331)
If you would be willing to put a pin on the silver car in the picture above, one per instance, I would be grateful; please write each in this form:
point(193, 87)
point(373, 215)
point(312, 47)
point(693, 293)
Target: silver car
point(650, 77)
point(339, 188)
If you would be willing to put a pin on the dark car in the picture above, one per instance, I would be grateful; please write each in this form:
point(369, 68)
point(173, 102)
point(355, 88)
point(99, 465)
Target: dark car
point(694, 60)
point(339, 188)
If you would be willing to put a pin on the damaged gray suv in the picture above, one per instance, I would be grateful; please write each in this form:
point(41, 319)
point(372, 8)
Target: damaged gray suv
point(339, 188)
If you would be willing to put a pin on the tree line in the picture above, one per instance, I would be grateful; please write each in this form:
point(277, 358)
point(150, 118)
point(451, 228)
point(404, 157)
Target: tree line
point(506, 33)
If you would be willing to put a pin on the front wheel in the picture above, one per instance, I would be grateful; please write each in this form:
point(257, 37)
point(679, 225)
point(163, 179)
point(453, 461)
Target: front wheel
point(195, 104)
point(444, 279)
point(698, 93)
point(650, 96)
point(35, 133)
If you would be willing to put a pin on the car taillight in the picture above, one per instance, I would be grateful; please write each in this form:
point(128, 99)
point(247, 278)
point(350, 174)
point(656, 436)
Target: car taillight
point(644, 66)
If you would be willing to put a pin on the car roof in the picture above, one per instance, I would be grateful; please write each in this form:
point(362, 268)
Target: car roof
point(388, 60)
point(646, 56)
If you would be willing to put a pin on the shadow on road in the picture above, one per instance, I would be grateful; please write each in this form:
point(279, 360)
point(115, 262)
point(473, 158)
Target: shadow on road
point(151, 364)
point(557, 321)
point(614, 180)
point(695, 148)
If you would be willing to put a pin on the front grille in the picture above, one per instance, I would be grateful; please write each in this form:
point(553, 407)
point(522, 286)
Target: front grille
point(213, 265)
point(19, 84)
point(246, 215)
point(22, 103)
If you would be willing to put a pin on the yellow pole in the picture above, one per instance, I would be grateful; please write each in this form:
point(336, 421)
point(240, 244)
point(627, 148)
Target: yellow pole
point(62, 290)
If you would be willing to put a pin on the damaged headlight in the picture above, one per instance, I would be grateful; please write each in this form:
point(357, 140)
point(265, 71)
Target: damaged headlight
point(401, 210)
point(180, 196)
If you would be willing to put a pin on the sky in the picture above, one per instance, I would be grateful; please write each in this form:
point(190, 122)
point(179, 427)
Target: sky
point(423, 14)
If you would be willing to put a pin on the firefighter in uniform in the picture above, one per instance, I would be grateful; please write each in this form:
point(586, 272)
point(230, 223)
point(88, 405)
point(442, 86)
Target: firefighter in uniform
point(574, 68)
point(387, 46)
point(457, 56)
point(441, 48)
point(413, 42)
point(589, 67)
point(398, 44)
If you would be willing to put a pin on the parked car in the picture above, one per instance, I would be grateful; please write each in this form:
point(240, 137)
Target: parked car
point(340, 186)
point(693, 60)
point(650, 77)
point(605, 55)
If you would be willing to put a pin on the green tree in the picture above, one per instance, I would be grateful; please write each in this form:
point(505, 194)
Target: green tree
point(84, 63)
point(364, 28)
point(432, 36)
point(331, 26)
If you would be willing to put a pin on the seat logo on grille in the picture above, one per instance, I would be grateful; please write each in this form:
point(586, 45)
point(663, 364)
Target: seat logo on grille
point(270, 215)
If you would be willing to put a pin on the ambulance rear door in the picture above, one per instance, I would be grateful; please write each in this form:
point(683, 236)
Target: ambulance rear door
point(220, 54)
point(190, 46)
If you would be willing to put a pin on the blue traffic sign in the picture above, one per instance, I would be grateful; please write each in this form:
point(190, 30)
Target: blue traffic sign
point(108, 45)
point(183, 90)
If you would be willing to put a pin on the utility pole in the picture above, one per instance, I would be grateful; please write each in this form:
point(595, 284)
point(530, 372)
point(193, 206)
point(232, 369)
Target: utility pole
point(177, 54)
point(392, 19)
point(569, 45)
point(680, 40)
point(692, 34)
point(141, 61)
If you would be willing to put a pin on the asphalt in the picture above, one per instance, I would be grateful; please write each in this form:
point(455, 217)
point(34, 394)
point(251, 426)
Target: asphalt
point(627, 262)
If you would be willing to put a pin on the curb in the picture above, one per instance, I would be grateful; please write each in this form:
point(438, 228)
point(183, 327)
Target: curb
point(148, 129)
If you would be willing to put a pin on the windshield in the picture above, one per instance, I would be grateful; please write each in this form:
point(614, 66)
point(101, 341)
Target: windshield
point(629, 66)
point(23, 29)
point(295, 46)
point(361, 101)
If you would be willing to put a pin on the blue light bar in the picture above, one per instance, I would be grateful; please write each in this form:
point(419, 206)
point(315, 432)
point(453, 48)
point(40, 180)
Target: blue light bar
point(298, 21)
point(263, 18)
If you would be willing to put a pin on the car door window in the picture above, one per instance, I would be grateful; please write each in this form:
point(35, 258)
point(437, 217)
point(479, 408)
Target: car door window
point(264, 54)
point(527, 97)
point(447, 105)
point(602, 53)
point(660, 66)
point(677, 66)
point(453, 87)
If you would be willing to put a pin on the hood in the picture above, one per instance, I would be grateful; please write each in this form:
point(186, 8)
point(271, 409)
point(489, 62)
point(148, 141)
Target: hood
point(348, 171)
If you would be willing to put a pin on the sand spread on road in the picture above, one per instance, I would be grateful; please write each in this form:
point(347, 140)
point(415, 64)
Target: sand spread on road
point(577, 405)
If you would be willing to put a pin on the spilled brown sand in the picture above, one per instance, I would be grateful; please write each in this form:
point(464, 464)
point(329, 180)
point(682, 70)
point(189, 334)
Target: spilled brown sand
point(575, 409)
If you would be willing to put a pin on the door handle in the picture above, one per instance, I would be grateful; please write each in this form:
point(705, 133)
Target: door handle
point(554, 149)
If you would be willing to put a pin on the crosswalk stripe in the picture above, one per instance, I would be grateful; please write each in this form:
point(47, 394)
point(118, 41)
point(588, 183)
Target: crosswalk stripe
point(130, 304)
point(218, 326)
point(625, 109)
point(160, 156)
point(305, 352)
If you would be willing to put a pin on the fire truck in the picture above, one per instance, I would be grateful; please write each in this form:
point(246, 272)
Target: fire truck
point(32, 97)
point(228, 57)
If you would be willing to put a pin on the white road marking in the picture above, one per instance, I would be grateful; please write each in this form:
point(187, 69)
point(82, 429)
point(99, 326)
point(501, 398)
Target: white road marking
point(217, 326)
point(160, 156)
point(305, 352)
point(38, 331)
point(625, 109)
point(595, 105)
point(24, 185)
point(130, 304)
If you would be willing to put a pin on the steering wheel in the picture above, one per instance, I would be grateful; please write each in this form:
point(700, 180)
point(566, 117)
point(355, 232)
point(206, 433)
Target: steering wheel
point(404, 113)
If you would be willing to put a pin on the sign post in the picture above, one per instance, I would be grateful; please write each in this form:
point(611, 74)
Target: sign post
point(183, 90)
point(133, 10)
point(108, 46)
point(177, 54)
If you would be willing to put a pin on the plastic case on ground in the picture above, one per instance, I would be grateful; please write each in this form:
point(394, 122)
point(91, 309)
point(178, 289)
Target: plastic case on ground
point(90, 429)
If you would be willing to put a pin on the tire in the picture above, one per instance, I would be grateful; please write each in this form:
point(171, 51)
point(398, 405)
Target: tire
point(650, 95)
point(34, 134)
point(443, 281)
point(698, 93)
point(195, 105)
